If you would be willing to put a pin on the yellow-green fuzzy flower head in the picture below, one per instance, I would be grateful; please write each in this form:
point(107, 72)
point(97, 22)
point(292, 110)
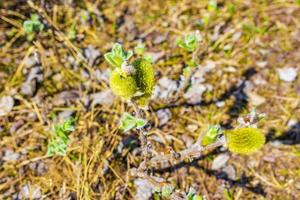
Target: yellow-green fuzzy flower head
point(244, 140)
point(123, 86)
point(144, 76)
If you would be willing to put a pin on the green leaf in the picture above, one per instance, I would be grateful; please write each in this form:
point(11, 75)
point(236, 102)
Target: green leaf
point(34, 17)
point(28, 26)
point(212, 6)
point(72, 32)
point(197, 197)
point(129, 122)
point(189, 42)
point(167, 190)
point(60, 137)
point(139, 49)
point(193, 196)
point(149, 58)
point(211, 135)
point(33, 25)
point(117, 56)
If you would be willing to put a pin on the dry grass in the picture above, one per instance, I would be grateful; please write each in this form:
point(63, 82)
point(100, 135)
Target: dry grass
point(93, 167)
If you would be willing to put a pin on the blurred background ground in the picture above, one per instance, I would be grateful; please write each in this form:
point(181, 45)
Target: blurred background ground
point(250, 58)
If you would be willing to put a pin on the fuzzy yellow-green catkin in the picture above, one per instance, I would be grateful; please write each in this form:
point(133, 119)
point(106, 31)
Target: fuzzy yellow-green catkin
point(123, 86)
point(244, 140)
point(144, 77)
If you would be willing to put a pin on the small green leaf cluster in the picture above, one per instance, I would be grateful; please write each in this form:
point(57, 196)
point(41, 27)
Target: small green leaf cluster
point(133, 81)
point(129, 122)
point(33, 25)
point(189, 42)
point(117, 56)
point(60, 137)
point(211, 135)
point(164, 192)
point(193, 196)
point(72, 32)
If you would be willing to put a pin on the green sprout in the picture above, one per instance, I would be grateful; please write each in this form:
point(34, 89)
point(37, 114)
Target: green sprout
point(117, 56)
point(189, 42)
point(193, 196)
point(211, 135)
point(139, 49)
point(167, 190)
point(212, 6)
point(60, 137)
point(72, 32)
point(164, 192)
point(244, 140)
point(129, 122)
point(33, 25)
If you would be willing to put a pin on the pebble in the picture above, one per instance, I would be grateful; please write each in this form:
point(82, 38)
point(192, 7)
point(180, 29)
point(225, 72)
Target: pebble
point(220, 161)
point(6, 105)
point(262, 64)
point(220, 104)
point(164, 88)
point(29, 192)
point(194, 93)
point(287, 74)
point(230, 171)
point(163, 116)
point(143, 189)
point(91, 53)
point(105, 97)
point(10, 155)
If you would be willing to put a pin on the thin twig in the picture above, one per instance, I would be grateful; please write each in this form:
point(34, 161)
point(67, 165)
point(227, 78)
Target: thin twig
point(142, 136)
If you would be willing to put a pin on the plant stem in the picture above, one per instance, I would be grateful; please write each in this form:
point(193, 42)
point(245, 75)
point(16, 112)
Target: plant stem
point(142, 135)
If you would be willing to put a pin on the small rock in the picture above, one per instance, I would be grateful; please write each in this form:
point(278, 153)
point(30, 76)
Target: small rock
point(287, 74)
point(230, 171)
point(292, 122)
point(91, 53)
point(144, 189)
point(276, 143)
point(156, 55)
point(165, 88)
point(30, 61)
point(69, 95)
point(261, 64)
point(270, 159)
point(29, 192)
point(65, 115)
point(236, 36)
point(255, 99)
point(192, 127)
point(230, 69)
point(163, 116)
point(6, 105)
point(220, 161)
point(102, 76)
point(16, 125)
point(220, 104)
point(28, 88)
point(194, 93)
point(160, 38)
point(189, 141)
point(10, 155)
point(103, 98)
